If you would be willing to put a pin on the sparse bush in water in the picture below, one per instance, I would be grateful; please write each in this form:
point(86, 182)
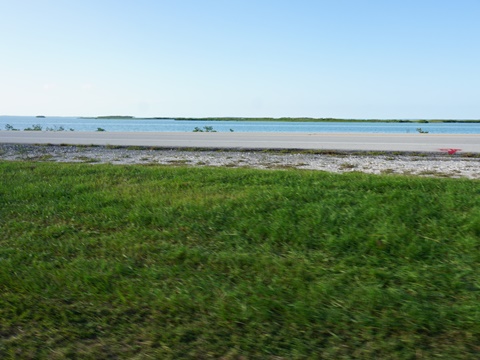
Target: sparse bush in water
point(35, 127)
point(38, 127)
point(421, 131)
point(55, 128)
point(9, 127)
point(100, 129)
point(209, 129)
point(205, 129)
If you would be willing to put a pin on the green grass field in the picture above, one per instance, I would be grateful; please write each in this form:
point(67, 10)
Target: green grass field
point(102, 261)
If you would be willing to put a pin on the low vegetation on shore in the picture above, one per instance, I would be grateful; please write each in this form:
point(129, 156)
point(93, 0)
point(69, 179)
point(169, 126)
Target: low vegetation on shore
point(174, 263)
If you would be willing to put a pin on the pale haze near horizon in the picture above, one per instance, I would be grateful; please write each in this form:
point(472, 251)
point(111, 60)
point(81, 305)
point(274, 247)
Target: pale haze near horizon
point(184, 58)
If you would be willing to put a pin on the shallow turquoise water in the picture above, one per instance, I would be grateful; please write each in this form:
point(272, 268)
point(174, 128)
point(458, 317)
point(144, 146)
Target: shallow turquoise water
point(171, 125)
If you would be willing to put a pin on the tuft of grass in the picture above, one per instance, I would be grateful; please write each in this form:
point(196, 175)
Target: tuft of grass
point(347, 166)
point(86, 159)
point(43, 157)
point(196, 263)
point(178, 161)
point(435, 173)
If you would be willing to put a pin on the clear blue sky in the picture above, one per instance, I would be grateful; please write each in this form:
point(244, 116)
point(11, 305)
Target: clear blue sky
point(314, 58)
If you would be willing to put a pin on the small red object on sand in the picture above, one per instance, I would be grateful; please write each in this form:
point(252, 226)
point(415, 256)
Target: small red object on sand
point(450, 151)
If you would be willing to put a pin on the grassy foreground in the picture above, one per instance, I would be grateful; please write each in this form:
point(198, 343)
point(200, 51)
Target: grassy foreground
point(169, 263)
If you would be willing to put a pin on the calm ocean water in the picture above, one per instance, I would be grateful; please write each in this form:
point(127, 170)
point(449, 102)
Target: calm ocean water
point(171, 125)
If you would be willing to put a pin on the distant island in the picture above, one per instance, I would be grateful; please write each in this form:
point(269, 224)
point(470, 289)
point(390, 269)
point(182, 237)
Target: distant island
point(40, 116)
point(284, 119)
point(308, 119)
point(109, 117)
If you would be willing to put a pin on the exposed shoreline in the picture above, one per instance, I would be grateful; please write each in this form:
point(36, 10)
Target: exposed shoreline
point(418, 164)
point(465, 143)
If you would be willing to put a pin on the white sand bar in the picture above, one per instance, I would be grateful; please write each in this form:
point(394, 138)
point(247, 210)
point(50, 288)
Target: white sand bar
point(322, 141)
